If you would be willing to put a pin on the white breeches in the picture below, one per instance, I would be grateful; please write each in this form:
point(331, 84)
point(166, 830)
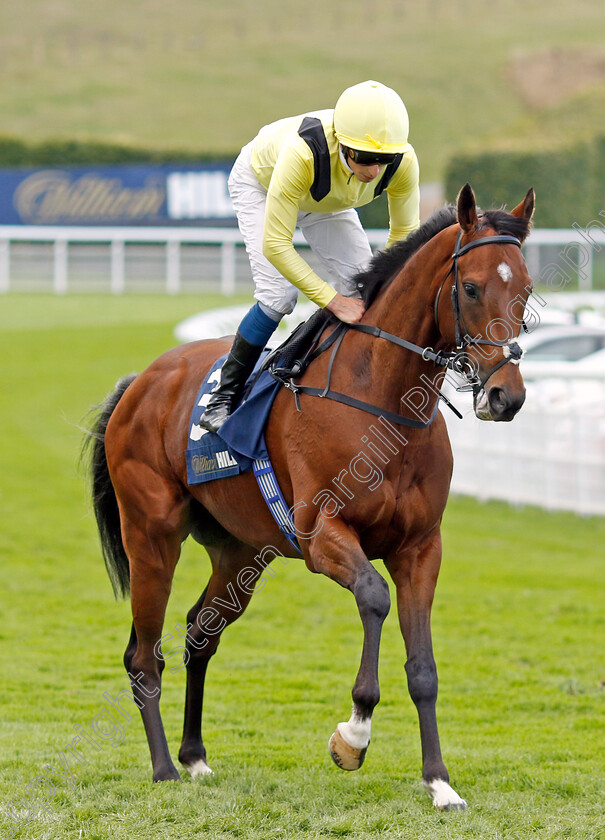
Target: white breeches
point(337, 240)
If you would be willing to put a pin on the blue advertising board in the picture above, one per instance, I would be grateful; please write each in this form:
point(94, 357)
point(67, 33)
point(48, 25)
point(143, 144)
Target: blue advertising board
point(141, 194)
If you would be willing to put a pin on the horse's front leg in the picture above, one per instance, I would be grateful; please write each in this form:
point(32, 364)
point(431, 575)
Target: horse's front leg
point(336, 553)
point(415, 573)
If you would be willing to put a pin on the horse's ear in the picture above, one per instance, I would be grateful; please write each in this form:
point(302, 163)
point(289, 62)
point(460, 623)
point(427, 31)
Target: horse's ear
point(466, 207)
point(525, 210)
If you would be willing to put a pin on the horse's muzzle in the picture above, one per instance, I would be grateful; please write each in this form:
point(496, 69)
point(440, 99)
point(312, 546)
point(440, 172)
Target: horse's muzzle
point(497, 403)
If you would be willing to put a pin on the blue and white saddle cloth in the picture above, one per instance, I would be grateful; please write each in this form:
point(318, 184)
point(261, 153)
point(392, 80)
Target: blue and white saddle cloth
point(240, 444)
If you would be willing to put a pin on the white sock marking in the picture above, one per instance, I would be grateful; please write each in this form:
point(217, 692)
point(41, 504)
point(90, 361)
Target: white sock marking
point(444, 797)
point(356, 731)
point(199, 768)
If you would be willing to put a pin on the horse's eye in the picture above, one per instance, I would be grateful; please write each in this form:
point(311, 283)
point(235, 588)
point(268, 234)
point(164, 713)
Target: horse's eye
point(471, 290)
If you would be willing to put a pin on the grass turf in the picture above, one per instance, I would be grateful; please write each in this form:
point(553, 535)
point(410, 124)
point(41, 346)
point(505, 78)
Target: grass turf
point(518, 630)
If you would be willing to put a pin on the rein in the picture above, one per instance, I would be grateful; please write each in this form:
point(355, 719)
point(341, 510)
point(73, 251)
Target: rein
point(336, 339)
point(450, 360)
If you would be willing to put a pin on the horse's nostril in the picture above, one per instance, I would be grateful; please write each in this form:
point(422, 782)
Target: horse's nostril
point(498, 400)
point(502, 405)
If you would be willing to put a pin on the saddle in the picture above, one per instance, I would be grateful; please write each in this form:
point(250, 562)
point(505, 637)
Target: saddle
point(294, 355)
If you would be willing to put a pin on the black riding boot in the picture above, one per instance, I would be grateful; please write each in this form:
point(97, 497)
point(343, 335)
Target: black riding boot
point(236, 370)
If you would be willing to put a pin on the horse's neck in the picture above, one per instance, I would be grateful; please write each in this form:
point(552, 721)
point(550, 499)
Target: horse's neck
point(405, 309)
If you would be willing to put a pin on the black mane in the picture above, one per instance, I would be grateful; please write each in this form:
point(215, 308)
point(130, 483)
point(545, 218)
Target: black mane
point(385, 265)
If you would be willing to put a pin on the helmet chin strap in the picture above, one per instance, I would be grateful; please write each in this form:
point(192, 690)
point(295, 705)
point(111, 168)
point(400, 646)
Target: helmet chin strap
point(344, 156)
point(343, 152)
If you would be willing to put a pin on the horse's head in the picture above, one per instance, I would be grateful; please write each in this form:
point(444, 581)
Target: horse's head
point(490, 287)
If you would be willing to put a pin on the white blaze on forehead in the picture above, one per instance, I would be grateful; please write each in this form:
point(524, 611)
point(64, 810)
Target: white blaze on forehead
point(505, 271)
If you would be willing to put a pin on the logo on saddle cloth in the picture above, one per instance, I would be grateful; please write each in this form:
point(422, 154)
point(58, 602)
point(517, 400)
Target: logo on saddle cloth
point(203, 464)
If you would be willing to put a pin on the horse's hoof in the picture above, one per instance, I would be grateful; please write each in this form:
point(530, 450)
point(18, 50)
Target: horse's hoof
point(343, 754)
point(199, 768)
point(170, 774)
point(456, 806)
point(444, 796)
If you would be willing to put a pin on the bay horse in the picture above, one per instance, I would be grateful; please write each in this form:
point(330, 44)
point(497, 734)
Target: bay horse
point(359, 489)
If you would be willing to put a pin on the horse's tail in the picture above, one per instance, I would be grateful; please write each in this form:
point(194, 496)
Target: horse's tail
point(104, 499)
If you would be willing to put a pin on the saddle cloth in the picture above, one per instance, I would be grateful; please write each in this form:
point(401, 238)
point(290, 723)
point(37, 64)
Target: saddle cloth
point(240, 444)
point(241, 439)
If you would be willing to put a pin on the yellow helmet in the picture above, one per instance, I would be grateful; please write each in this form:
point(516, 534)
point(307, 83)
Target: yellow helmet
point(371, 117)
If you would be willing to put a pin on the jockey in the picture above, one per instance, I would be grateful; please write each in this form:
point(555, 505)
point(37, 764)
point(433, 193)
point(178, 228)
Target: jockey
point(311, 171)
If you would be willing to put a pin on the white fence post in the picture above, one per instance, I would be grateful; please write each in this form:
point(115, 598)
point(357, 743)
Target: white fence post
point(228, 268)
point(532, 258)
point(5, 279)
point(60, 267)
point(173, 267)
point(586, 279)
point(116, 280)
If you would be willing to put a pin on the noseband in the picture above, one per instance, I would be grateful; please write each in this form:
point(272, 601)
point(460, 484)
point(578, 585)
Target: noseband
point(458, 361)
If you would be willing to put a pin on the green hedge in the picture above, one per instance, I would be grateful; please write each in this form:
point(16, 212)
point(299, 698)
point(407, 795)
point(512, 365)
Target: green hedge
point(599, 175)
point(17, 152)
point(375, 214)
point(569, 182)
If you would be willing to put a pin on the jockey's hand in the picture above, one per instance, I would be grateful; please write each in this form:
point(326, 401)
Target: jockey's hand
point(347, 309)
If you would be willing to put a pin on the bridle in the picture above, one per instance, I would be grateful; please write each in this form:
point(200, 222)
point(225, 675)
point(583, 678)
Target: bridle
point(458, 360)
point(452, 360)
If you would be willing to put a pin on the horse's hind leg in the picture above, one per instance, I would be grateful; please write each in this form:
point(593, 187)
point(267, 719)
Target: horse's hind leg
point(415, 576)
point(225, 598)
point(152, 562)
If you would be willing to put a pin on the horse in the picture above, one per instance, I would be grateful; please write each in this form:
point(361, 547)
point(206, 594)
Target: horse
point(359, 489)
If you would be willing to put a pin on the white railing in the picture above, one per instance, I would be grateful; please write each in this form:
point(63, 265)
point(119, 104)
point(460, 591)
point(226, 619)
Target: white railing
point(117, 238)
point(552, 455)
point(228, 240)
point(576, 254)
